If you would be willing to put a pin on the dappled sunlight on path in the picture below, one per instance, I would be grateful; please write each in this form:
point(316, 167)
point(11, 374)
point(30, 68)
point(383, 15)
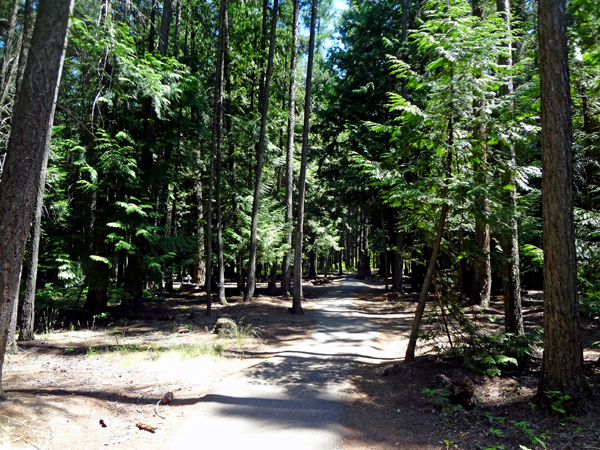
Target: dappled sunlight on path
point(296, 399)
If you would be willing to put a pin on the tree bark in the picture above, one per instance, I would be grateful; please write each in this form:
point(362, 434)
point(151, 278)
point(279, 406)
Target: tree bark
point(482, 274)
point(385, 253)
point(219, 118)
point(273, 287)
point(177, 27)
point(9, 55)
point(165, 26)
point(215, 149)
point(289, 188)
point(297, 301)
point(511, 279)
point(28, 148)
point(26, 42)
point(562, 365)
point(152, 33)
point(199, 275)
point(414, 334)
point(26, 332)
point(312, 264)
point(28, 309)
point(398, 263)
point(260, 153)
point(364, 264)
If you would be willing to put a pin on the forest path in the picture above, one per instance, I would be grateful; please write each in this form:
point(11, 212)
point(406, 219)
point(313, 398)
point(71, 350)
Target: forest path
point(296, 399)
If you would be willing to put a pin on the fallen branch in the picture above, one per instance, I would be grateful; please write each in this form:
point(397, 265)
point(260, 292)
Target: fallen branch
point(167, 398)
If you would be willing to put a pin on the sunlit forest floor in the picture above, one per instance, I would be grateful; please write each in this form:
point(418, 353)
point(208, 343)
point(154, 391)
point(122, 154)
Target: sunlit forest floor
point(87, 382)
point(390, 410)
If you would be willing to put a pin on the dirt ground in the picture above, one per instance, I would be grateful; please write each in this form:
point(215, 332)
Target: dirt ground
point(88, 382)
point(95, 382)
point(393, 412)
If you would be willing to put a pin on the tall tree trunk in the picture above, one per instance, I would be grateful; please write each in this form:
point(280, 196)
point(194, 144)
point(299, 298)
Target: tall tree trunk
point(224, 30)
point(312, 263)
point(385, 253)
point(511, 279)
point(215, 150)
point(482, 273)
point(10, 52)
point(404, 3)
point(297, 301)
point(11, 341)
point(414, 334)
point(126, 10)
point(364, 263)
point(28, 310)
point(28, 147)
point(260, 153)
point(165, 27)
point(263, 47)
point(199, 275)
point(273, 287)
point(152, 34)
point(26, 332)
point(177, 27)
point(289, 186)
point(398, 262)
point(26, 43)
point(562, 365)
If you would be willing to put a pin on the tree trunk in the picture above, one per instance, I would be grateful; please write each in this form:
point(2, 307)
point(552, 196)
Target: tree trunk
point(224, 30)
point(414, 334)
point(28, 147)
point(165, 26)
point(199, 275)
point(134, 282)
point(364, 263)
point(273, 287)
point(26, 42)
point(260, 153)
point(482, 274)
point(297, 302)
point(177, 27)
point(11, 342)
point(10, 53)
point(385, 254)
point(289, 186)
point(398, 263)
point(215, 150)
point(511, 279)
point(562, 365)
point(152, 34)
point(28, 308)
point(27, 315)
point(312, 264)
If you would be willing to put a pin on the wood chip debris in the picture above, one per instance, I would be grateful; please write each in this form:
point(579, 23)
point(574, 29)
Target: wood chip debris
point(145, 427)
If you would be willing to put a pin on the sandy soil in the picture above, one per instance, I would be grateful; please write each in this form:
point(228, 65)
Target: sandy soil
point(88, 386)
point(393, 412)
point(90, 382)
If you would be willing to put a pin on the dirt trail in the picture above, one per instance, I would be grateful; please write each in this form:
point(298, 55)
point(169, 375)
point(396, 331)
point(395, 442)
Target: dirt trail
point(297, 399)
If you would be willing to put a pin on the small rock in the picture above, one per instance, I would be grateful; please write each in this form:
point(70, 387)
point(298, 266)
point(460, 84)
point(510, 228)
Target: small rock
point(223, 324)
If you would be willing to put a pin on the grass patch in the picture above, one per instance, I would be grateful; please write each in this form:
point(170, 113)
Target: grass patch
point(192, 351)
point(240, 331)
point(155, 351)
